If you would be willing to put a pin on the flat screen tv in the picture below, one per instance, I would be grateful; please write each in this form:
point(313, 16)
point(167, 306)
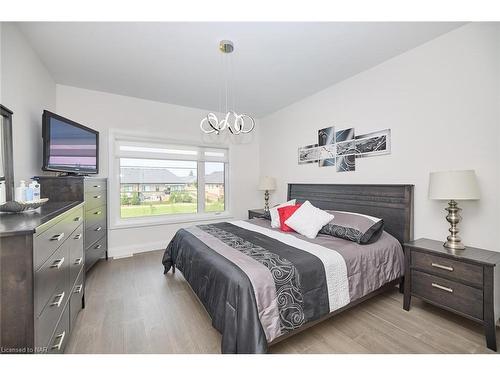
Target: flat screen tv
point(68, 146)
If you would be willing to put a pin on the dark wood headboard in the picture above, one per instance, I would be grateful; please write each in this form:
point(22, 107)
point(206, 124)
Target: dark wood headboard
point(393, 203)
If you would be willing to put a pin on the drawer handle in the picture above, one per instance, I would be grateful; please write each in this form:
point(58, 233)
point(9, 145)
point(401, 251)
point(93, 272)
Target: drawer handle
point(97, 186)
point(447, 268)
point(57, 237)
point(57, 263)
point(58, 300)
point(98, 246)
point(60, 337)
point(98, 229)
point(79, 289)
point(78, 236)
point(78, 218)
point(97, 212)
point(97, 196)
point(78, 261)
point(446, 289)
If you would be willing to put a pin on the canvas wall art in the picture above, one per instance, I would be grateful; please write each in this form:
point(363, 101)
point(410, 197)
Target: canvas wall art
point(376, 143)
point(341, 148)
point(309, 154)
point(326, 145)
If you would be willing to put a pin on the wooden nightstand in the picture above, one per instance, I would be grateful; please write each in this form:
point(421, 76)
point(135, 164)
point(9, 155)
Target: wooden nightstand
point(465, 282)
point(255, 213)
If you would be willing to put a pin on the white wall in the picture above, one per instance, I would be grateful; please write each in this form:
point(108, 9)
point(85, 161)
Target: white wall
point(104, 111)
point(27, 89)
point(1, 25)
point(441, 101)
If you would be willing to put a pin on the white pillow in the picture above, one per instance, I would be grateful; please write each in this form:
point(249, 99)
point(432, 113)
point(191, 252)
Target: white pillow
point(275, 216)
point(308, 220)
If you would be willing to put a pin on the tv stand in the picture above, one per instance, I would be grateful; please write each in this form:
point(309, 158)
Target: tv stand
point(91, 191)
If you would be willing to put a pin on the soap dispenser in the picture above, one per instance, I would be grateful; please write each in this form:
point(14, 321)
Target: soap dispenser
point(20, 194)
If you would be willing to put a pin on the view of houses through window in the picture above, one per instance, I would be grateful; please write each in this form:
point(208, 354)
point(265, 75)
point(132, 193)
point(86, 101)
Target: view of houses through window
point(214, 186)
point(162, 187)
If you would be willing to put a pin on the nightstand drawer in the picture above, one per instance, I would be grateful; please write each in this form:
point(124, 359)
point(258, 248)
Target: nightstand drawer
point(446, 293)
point(469, 273)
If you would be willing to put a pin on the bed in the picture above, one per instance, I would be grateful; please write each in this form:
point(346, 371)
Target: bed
point(260, 285)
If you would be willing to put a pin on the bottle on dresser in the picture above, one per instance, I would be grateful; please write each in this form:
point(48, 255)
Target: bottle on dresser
point(20, 194)
point(2, 192)
point(27, 193)
point(35, 187)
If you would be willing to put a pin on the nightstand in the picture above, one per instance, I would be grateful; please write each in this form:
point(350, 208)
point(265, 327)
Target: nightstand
point(465, 282)
point(255, 213)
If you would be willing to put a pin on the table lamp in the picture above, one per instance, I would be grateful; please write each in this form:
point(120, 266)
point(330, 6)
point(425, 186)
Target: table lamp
point(267, 183)
point(453, 186)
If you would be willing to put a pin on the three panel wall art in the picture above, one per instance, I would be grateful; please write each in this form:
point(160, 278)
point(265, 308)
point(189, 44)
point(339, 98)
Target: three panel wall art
point(341, 148)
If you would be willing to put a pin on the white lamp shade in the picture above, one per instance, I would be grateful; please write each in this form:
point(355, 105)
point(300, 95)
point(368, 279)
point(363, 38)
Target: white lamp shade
point(267, 183)
point(456, 185)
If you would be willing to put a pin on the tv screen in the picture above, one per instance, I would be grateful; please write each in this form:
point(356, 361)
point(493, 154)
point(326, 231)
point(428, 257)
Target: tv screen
point(69, 146)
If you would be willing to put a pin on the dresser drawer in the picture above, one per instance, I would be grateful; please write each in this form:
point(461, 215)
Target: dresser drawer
point(94, 216)
point(50, 239)
point(447, 293)
point(95, 199)
point(75, 302)
point(469, 273)
point(92, 185)
point(46, 322)
point(95, 252)
point(95, 232)
point(52, 278)
point(76, 254)
point(61, 335)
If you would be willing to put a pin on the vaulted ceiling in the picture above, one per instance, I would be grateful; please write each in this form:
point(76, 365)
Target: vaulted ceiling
point(274, 64)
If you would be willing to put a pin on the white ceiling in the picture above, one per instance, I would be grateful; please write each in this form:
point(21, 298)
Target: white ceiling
point(275, 63)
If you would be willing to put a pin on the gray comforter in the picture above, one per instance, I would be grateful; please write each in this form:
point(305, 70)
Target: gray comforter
point(258, 283)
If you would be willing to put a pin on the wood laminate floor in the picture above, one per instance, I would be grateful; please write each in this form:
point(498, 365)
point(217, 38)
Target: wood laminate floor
point(131, 307)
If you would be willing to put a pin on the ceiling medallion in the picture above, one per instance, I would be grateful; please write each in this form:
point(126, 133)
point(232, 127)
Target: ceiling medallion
point(232, 121)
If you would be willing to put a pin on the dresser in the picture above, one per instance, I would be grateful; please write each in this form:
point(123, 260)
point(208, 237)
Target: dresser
point(466, 282)
point(93, 192)
point(42, 283)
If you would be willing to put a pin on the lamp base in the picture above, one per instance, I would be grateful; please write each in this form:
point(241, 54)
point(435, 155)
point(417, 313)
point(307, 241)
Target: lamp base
point(454, 245)
point(266, 201)
point(453, 241)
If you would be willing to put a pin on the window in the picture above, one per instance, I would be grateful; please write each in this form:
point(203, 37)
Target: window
point(214, 186)
point(158, 180)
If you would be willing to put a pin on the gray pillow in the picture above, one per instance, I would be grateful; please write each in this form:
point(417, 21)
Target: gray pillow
point(354, 227)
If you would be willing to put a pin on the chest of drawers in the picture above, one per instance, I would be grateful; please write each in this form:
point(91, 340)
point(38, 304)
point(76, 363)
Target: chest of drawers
point(465, 282)
point(93, 192)
point(42, 277)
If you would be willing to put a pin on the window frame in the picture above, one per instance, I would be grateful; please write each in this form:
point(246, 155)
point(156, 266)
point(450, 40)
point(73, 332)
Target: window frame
point(115, 219)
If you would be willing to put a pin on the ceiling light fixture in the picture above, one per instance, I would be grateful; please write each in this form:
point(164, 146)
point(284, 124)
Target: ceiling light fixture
point(234, 122)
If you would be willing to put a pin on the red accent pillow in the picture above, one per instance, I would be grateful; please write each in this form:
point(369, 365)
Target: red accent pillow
point(285, 213)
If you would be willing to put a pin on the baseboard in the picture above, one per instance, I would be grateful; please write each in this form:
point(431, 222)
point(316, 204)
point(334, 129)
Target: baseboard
point(126, 251)
point(122, 256)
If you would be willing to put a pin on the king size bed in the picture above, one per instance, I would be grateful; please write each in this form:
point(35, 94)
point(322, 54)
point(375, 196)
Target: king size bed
point(260, 285)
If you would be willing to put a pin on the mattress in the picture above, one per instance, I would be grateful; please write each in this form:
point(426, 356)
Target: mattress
point(258, 283)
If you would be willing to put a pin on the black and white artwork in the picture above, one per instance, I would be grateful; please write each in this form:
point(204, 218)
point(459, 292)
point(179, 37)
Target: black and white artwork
point(308, 154)
point(327, 151)
point(344, 135)
point(326, 136)
point(346, 148)
point(376, 143)
point(342, 148)
point(326, 145)
point(330, 162)
point(346, 163)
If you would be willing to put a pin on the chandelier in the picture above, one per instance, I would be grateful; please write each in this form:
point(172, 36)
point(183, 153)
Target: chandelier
point(236, 123)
